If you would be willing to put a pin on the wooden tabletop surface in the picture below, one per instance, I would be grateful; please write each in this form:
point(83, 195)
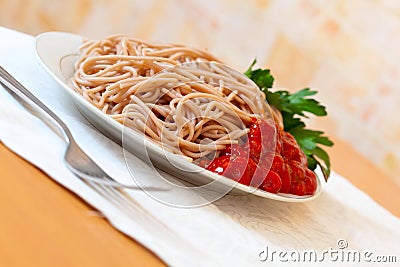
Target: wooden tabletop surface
point(44, 224)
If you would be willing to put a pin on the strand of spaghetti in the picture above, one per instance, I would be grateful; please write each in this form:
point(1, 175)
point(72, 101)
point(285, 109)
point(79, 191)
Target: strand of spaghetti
point(110, 58)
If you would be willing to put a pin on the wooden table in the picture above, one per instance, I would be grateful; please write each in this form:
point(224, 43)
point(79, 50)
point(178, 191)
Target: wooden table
point(44, 224)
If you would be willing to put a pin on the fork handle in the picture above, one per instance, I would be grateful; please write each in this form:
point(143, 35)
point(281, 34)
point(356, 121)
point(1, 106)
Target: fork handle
point(9, 81)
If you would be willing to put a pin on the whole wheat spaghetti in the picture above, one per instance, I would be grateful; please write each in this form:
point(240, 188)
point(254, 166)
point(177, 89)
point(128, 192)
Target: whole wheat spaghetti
point(182, 98)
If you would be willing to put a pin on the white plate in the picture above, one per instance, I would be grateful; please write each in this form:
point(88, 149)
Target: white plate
point(58, 52)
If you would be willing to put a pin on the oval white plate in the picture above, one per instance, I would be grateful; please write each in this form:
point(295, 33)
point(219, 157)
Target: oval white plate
point(58, 52)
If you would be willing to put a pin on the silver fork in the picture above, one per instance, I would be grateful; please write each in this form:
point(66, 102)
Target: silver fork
point(75, 158)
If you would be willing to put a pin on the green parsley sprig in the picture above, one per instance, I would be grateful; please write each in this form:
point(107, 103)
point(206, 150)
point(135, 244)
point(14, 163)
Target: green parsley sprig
point(293, 108)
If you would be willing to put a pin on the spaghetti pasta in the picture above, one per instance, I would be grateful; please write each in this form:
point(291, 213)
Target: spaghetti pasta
point(182, 98)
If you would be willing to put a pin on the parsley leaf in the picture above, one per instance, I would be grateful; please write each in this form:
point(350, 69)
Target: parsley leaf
point(296, 103)
point(262, 78)
point(293, 107)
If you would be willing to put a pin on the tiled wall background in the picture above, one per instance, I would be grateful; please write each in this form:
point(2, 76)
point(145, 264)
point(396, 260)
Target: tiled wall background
point(348, 50)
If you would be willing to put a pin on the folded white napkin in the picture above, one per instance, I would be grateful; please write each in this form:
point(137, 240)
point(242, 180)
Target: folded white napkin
point(234, 231)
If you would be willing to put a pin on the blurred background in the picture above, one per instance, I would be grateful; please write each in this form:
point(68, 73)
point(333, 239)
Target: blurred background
point(347, 50)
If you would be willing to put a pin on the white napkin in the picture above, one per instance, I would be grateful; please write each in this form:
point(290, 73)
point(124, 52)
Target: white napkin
point(234, 231)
